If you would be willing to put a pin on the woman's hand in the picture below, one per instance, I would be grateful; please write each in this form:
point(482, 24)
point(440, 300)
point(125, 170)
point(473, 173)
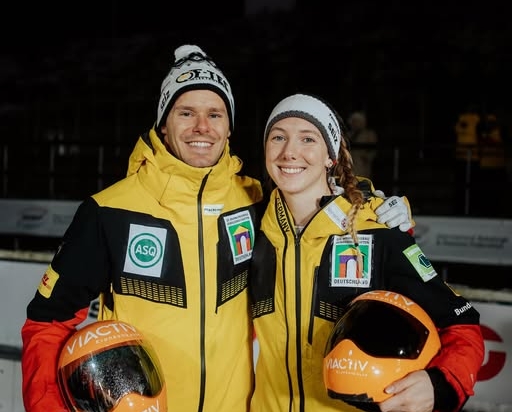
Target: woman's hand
point(413, 393)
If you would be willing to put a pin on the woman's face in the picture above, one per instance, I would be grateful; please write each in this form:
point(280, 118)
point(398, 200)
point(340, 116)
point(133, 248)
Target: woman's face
point(296, 157)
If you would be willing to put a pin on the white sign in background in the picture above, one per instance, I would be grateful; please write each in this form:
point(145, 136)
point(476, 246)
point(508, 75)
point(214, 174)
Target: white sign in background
point(495, 375)
point(36, 217)
point(445, 239)
point(465, 240)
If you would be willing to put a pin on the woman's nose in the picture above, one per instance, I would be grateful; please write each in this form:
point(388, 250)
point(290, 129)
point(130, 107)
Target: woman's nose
point(289, 151)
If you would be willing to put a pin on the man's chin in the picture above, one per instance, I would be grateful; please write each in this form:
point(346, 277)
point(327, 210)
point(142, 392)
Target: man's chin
point(203, 161)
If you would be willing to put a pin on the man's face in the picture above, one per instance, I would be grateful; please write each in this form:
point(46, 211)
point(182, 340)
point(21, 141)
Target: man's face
point(197, 128)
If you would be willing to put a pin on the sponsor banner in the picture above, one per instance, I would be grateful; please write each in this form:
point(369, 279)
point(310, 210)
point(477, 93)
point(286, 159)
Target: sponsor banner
point(10, 386)
point(48, 218)
point(495, 375)
point(444, 239)
point(20, 280)
point(465, 240)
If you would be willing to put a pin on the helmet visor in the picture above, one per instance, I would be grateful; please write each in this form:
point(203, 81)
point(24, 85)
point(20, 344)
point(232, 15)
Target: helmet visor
point(99, 381)
point(380, 330)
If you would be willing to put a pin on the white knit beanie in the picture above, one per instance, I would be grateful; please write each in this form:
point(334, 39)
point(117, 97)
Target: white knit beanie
point(193, 70)
point(313, 110)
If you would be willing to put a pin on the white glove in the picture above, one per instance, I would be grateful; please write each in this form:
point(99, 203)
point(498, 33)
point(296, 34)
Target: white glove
point(395, 211)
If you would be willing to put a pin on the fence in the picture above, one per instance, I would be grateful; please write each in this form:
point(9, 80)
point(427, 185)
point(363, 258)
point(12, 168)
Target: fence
point(431, 177)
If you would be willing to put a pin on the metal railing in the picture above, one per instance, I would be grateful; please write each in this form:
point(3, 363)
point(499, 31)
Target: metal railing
point(435, 184)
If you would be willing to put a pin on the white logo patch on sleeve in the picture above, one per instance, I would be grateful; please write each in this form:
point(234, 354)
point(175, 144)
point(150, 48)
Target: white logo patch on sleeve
point(420, 262)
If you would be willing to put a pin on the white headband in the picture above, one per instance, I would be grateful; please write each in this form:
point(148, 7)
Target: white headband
point(314, 111)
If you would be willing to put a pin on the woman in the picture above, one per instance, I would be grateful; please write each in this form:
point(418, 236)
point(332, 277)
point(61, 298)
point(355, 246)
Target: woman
point(295, 300)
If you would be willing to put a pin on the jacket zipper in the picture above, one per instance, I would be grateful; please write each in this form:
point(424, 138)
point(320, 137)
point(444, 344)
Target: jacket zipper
point(298, 304)
point(202, 388)
point(312, 312)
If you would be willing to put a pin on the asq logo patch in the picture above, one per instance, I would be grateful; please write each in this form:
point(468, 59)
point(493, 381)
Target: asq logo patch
point(145, 250)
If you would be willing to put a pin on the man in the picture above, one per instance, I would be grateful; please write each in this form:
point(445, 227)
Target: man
point(167, 249)
point(160, 248)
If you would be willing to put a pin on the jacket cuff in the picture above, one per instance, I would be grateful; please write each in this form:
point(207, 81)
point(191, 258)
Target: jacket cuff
point(445, 397)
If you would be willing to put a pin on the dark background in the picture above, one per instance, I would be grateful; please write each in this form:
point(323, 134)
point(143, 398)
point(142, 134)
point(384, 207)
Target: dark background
point(77, 77)
point(89, 73)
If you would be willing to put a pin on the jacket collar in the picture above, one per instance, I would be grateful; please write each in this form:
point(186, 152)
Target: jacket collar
point(165, 176)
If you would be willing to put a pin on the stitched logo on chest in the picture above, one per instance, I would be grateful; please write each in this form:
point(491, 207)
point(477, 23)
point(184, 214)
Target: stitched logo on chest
point(345, 270)
point(145, 250)
point(241, 235)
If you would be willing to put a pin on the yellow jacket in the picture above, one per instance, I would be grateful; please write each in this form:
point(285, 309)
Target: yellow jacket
point(291, 338)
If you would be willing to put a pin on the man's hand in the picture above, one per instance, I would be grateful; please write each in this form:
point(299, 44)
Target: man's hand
point(395, 211)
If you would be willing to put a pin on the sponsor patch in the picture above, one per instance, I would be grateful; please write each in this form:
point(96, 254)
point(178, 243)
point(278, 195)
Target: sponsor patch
point(461, 310)
point(241, 234)
point(48, 282)
point(144, 255)
point(337, 215)
point(212, 210)
point(420, 262)
point(345, 271)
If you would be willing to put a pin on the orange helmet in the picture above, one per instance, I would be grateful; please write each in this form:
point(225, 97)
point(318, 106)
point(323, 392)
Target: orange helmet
point(108, 366)
point(380, 338)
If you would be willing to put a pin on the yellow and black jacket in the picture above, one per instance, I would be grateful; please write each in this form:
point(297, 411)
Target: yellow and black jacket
point(298, 293)
point(167, 249)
